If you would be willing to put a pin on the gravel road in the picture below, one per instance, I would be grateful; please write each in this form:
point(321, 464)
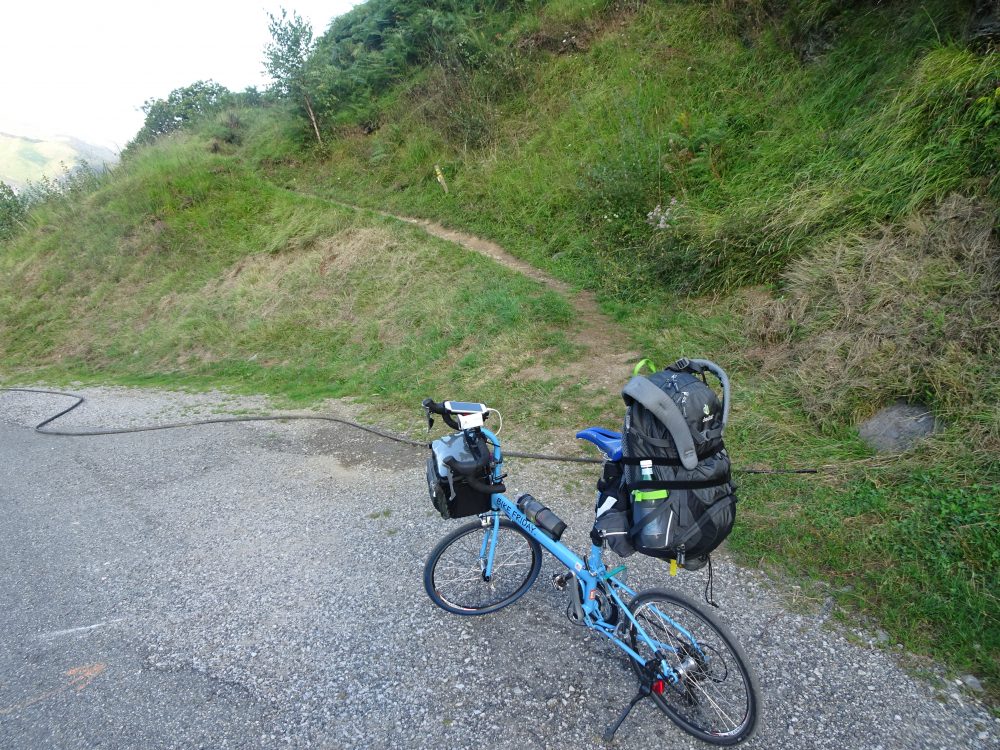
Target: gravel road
point(259, 585)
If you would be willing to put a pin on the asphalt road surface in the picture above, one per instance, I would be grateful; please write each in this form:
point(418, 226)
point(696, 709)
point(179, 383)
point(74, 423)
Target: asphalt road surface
point(259, 586)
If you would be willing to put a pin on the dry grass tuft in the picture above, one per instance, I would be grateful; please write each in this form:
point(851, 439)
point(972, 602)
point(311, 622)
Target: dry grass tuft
point(356, 246)
point(912, 312)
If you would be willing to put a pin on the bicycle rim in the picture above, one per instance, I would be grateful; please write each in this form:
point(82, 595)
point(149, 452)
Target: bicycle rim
point(455, 579)
point(715, 695)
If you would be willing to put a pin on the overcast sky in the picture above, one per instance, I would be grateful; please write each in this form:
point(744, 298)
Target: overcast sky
point(84, 68)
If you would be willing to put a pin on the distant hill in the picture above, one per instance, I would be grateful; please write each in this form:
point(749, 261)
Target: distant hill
point(23, 159)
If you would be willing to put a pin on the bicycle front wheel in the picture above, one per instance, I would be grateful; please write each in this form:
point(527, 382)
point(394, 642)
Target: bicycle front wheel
point(455, 574)
point(712, 693)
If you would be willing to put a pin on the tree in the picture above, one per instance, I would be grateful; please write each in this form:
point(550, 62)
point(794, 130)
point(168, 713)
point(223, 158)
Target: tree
point(286, 60)
point(181, 107)
point(12, 211)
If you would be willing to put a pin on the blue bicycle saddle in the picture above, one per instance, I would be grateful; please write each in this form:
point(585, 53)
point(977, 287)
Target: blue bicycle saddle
point(608, 442)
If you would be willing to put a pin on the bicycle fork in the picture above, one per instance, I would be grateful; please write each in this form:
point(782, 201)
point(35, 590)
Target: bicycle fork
point(487, 552)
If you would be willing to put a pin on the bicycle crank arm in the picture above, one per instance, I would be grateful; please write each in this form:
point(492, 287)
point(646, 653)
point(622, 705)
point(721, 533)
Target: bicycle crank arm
point(575, 611)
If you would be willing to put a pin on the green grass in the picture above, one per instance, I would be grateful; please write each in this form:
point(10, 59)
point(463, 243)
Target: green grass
point(767, 156)
point(918, 546)
point(817, 250)
point(190, 269)
point(777, 165)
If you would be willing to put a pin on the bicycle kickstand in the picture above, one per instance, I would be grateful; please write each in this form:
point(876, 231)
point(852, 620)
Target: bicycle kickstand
point(609, 733)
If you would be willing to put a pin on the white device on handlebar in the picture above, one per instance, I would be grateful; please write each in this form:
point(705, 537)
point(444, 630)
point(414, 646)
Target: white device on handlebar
point(469, 414)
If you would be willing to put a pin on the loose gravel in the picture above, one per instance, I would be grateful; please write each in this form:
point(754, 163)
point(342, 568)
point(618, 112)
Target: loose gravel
point(259, 585)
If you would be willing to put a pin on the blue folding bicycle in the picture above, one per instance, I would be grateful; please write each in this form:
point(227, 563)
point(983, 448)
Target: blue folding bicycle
point(686, 662)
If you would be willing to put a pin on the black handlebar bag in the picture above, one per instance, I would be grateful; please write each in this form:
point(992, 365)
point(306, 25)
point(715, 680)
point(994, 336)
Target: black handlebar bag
point(450, 492)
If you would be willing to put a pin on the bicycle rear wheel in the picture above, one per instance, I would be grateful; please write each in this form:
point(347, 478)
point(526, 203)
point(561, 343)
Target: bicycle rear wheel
point(455, 574)
point(715, 696)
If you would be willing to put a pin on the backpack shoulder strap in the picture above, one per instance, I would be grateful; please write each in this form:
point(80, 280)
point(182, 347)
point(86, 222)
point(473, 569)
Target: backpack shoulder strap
point(701, 366)
point(663, 408)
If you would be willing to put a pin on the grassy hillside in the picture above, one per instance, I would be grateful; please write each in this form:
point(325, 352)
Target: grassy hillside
point(808, 192)
point(188, 268)
point(645, 150)
point(765, 155)
point(805, 192)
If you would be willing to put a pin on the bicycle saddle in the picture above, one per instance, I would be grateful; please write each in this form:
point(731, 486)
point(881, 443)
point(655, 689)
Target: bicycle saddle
point(607, 441)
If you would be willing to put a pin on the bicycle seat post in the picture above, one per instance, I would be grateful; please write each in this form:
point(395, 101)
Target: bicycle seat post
point(595, 562)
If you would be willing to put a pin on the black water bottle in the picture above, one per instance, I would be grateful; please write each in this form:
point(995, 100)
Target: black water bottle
point(550, 524)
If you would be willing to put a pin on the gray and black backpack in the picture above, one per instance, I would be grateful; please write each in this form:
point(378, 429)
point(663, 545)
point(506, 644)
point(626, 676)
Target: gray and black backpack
point(671, 492)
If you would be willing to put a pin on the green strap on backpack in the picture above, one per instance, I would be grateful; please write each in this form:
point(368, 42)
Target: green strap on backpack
point(647, 362)
point(644, 495)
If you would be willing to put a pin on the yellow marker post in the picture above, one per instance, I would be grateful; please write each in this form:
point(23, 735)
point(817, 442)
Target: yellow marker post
point(440, 178)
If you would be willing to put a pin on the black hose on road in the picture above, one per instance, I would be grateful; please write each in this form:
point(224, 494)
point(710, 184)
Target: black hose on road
point(39, 428)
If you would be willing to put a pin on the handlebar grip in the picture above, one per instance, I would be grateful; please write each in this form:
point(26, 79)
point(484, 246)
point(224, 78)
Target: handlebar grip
point(432, 406)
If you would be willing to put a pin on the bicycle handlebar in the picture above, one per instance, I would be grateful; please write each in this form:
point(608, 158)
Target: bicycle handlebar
point(432, 406)
point(449, 412)
point(468, 469)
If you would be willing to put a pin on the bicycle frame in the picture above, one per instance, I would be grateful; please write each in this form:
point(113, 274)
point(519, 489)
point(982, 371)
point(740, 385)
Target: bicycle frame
point(590, 573)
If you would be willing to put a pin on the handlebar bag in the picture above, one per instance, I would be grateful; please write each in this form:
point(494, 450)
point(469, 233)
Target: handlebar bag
point(450, 492)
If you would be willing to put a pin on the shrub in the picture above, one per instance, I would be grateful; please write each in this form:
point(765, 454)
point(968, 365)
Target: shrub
point(12, 212)
point(911, 312)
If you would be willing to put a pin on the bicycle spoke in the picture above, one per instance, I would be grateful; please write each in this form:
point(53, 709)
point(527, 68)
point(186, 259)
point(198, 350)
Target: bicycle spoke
point(442, 582)
point(457, 571)
point(714, 697)
point(719, 711)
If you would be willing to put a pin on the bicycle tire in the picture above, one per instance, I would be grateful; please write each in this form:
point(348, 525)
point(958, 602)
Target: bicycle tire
point(717, 698)
point(481, 596)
